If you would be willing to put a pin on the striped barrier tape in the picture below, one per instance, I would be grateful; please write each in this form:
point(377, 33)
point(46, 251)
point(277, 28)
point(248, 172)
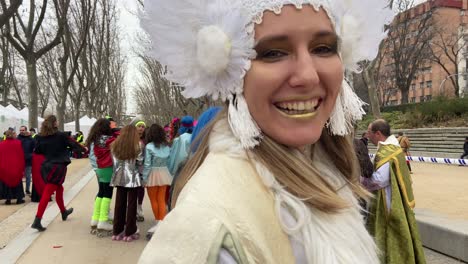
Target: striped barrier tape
point(462, 162)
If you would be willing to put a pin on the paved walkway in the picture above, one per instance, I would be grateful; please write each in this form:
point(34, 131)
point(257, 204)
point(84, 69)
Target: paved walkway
point(70, 242)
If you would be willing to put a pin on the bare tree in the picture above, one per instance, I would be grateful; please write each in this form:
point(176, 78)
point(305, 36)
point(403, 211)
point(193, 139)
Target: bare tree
point(158, 100)
point(23, 39)
point(407, 46)
point(61, 64)
point(447, 50)
point(99, 89)
point(8, 11)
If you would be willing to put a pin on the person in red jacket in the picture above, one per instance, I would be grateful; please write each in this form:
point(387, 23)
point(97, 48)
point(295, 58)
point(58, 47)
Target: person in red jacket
point(102, 134)
point(11, 168)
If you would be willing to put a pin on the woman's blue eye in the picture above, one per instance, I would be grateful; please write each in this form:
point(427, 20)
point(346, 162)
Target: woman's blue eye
point(272, 54)
point(324, 50)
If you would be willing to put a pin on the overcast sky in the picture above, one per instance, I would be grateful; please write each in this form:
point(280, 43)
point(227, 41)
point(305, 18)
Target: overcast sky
point(130, 28)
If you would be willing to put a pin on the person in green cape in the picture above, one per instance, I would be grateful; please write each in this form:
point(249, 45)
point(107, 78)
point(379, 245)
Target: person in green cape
point(391, 218)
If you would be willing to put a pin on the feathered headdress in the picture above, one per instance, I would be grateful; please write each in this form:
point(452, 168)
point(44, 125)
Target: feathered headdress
point(207, 47)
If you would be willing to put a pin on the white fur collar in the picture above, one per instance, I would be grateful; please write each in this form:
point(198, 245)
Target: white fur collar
point(327, 238)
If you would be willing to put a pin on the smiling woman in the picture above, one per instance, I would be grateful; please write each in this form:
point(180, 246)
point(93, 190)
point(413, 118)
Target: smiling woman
point(274, 179)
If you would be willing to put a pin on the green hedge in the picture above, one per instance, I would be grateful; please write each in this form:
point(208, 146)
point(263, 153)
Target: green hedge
point(438, 112)
point(457, 106)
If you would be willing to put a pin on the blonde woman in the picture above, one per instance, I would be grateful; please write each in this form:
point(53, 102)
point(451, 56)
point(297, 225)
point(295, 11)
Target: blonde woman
point(127, 155)
point(275, 178)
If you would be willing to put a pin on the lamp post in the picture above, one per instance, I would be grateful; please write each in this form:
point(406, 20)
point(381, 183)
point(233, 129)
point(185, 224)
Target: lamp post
point(450, 76)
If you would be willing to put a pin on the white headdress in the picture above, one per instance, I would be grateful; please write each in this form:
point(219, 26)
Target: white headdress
point(207, 47)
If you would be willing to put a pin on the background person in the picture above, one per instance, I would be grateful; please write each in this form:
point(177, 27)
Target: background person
point(405, 145)
point(391, 218)
point(11, 168)
point(141, 129)
point(156, 176)
point(101, 135)
point(54, 145)
point(465, 149)
point(28, 144)
point(127, 152)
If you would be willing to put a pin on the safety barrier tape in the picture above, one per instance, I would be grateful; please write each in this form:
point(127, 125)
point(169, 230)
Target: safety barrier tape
point(462, 162)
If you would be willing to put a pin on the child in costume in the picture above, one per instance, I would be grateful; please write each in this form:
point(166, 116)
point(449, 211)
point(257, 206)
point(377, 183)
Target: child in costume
point(127, 152)
point(156, 175)
point(275, 178)
point(141, 128)
point(54, 145)
point(102, 135)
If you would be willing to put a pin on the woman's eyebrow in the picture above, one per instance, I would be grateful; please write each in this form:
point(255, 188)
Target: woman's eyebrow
point(282, 38)
point(274, 38)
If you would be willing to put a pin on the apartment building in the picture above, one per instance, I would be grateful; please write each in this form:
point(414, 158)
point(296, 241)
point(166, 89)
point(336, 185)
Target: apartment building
point(431, 79)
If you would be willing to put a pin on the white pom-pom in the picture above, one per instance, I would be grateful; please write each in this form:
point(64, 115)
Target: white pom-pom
point(213, 49)
point(242, 124)
point(348, 109)
point(351, 37)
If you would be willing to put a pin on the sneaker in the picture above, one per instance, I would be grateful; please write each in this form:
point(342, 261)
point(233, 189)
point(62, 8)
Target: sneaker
point(8, 202)
point(28, 192)
point(20, 201)
point(66, 213)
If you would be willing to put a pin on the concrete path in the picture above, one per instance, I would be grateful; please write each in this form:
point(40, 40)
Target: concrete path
point(70, 242)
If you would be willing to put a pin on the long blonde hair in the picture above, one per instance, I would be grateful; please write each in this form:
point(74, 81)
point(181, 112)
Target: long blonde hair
point(127, 144)
point(295, 172)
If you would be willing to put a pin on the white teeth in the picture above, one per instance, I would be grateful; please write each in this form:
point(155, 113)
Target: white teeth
point(299, 106)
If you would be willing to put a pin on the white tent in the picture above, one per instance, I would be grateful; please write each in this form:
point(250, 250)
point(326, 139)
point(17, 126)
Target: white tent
point(12, 117)
point(85, 125)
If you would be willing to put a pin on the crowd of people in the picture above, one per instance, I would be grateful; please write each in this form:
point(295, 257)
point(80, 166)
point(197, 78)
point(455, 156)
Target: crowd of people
point(271, 177)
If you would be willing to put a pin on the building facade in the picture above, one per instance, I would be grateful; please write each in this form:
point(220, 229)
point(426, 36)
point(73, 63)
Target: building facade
point(445, 58)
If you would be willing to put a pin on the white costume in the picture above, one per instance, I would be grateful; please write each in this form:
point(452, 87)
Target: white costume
point(225, 206)
point(233, 208)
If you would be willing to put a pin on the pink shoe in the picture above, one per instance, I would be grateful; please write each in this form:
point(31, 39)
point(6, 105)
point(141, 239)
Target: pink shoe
point(119, 236)
point(132, 237)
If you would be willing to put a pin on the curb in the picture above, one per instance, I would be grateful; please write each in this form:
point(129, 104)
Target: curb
point(16, 247)
point(444, 235)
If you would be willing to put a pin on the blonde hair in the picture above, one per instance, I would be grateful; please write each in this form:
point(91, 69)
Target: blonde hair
point(295, 172)
point(127, 144)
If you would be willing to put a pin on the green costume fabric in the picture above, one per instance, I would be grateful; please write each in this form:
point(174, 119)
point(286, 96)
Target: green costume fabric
point(396, 232)
point(105, 174)
point(97, 209)
point(104, 212)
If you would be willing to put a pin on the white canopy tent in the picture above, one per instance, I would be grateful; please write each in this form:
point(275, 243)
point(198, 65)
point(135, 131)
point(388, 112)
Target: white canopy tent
point(85, 125)
point(12, 117)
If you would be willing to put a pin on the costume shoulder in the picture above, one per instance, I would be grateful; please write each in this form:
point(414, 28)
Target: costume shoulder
point(206, 213)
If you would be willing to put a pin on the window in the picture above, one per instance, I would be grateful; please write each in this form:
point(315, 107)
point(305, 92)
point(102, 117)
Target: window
point(421, 85)
point(421, 98)
point(429, 84)
point(413, 86)
point(413, 100)
point(393, 102)
point(428, 98)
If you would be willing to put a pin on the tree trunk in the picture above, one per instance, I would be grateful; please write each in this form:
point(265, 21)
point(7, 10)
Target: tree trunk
point(31, 71)
point(374, 101)
point(77, 115)
point(404, 96)
point(61, 114)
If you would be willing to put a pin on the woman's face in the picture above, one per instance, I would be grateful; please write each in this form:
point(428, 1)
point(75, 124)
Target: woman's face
point(141, 129)
point(293, 83)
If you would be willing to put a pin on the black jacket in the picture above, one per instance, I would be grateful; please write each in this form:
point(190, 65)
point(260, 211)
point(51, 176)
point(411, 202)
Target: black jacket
point(55, 147)
point(465, 147)
point(28, 144)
